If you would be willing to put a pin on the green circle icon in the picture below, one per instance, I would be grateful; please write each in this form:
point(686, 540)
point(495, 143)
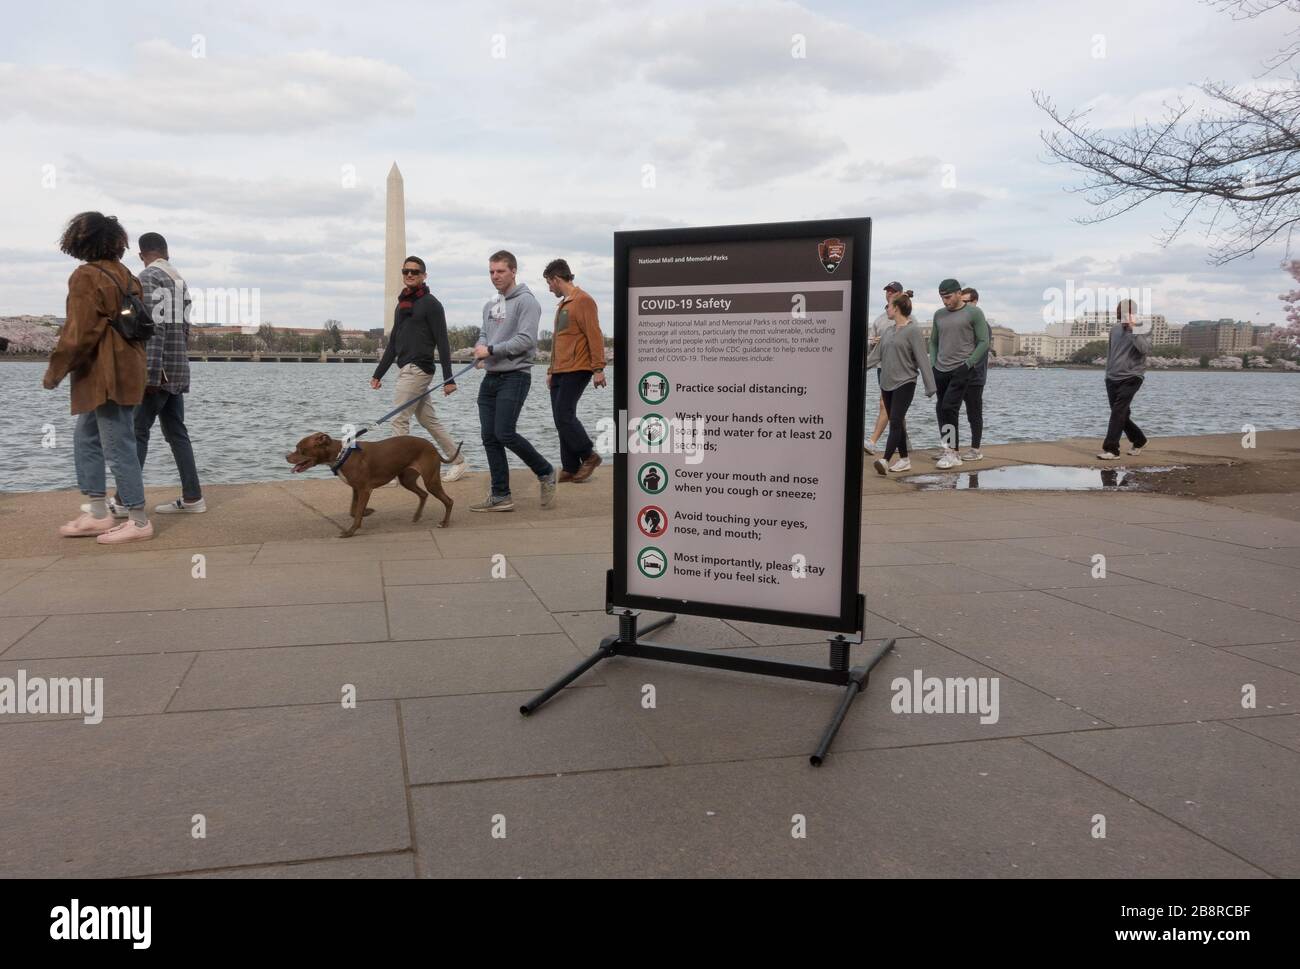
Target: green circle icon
point(651, 562)
point(653, 478)
point(653, 387)
point(652, 429)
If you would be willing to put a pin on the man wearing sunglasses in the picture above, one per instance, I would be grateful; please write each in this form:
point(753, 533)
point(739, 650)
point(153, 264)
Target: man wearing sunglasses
point(419, 325)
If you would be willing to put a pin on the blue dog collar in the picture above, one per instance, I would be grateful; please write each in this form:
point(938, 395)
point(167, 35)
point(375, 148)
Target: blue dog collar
point(347, 452)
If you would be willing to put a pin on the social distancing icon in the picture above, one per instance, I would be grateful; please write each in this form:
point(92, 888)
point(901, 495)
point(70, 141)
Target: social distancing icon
point(653, 387)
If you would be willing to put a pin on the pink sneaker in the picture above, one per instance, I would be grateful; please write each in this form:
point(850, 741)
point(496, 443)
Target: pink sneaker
point(86, 524)
point(127, 531)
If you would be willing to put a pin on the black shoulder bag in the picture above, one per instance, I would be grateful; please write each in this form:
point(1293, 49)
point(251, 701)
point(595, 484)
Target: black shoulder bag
point(132, 321)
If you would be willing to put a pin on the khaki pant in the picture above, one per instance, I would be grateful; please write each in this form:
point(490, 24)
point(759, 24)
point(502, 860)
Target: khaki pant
point(412, 382)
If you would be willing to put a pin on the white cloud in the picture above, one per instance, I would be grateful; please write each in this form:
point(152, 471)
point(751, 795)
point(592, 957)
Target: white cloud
point(167, 90)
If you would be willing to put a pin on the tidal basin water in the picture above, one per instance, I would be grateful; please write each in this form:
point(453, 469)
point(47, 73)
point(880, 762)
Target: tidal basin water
point(244, 417)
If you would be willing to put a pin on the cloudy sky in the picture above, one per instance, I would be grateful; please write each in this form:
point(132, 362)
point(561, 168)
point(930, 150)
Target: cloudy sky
point(257, 138)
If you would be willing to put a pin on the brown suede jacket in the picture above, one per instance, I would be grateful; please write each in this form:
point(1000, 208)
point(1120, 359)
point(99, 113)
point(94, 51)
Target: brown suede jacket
point(103, 365)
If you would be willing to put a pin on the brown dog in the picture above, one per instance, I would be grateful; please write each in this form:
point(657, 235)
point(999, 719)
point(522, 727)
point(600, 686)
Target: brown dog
point(373, 464)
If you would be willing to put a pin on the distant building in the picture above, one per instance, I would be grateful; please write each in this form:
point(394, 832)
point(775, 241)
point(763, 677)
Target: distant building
point(1003, 342)
point(1221, 336)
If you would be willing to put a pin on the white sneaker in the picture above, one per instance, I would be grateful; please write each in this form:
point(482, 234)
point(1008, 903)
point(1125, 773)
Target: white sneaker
point(181, 507)
point(950, 460)
point(117, 511)
point(972, 454)
point(868, 447)
point(937, 455)
point(455, 471)
point(880, 466)
point(1135, 451)
point(1107, 456)
point(902, 464)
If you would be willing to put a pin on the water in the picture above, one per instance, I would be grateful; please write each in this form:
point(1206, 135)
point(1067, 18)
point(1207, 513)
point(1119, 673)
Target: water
point(1037, 477)
point(244, 417)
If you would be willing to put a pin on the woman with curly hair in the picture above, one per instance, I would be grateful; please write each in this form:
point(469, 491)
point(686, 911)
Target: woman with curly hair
point(108, 379)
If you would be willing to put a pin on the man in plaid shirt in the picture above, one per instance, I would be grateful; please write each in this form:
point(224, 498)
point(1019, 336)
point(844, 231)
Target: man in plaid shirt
point(167, 355)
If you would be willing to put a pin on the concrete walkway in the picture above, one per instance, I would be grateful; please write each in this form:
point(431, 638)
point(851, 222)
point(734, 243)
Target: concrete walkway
point(1124, 700)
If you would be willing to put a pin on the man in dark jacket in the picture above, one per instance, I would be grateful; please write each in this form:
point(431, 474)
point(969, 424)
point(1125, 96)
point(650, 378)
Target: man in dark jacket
point(419, 325)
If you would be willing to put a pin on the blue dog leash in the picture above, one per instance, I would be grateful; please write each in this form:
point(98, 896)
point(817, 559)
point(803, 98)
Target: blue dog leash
point(401, 407)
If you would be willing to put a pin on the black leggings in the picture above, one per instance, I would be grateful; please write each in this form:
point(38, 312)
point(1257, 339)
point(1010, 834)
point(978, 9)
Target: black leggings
point(897, 401)
point(975, 413)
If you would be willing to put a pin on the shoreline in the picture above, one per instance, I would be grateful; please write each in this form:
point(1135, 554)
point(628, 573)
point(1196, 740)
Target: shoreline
point(1210, 467)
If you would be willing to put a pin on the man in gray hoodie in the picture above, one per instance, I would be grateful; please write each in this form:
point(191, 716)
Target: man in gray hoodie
point(1126, 362)
point(505, 348)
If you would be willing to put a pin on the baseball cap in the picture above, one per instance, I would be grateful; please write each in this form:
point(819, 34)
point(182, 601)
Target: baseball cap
point(894, 287)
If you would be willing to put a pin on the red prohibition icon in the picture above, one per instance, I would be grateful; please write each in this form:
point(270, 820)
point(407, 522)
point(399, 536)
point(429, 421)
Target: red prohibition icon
point(652, 520)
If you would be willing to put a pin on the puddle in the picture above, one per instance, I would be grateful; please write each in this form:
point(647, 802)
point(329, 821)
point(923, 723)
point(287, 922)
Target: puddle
point(1038, 477)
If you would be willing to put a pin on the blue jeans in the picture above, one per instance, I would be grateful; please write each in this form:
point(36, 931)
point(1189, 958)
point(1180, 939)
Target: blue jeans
point(108, 430)
point(566, 390)
point(500, 398)
point(170, 409)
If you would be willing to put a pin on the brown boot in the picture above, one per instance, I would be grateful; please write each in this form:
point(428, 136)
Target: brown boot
point(564, 476)
point(587, 469)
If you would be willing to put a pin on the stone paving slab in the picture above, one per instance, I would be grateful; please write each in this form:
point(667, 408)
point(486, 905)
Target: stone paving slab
point(1290, 557)
point(455, 611)
point(587, 629)
point(15, 628)
point(51, 594)
point(523, 541)
point(566, 583)
point(1114, 669)
point(437, 571)
point(366, 866)
point(937, 578)
point(1258, 533)
point(588, 728)
point(1282, 655)
point(1255, 585)
point(132, 685)
point(347, 550)
point(1192, 616)
point(713, 715)
point(377, 671)
point(118, 799)
point(763, 634)
point(202, 629)
point(1019, 567)
point(104, 559)
point(992, 808)
point(12, 577)
point(1283, 730)
point(1248, 802)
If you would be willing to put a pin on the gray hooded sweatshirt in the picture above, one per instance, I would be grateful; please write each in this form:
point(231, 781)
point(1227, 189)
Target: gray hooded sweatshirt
point(1126, 353)
point(510, 329)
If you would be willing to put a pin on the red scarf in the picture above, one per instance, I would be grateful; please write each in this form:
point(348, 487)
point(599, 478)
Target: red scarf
point(408, 297)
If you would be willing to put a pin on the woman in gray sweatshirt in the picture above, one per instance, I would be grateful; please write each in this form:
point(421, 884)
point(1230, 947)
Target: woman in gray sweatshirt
point(901, 354)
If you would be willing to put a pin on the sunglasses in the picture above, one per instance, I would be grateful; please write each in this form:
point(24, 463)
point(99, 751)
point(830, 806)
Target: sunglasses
point(412, 272)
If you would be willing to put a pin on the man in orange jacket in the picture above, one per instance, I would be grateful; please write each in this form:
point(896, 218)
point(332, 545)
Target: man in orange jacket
point(577, 357)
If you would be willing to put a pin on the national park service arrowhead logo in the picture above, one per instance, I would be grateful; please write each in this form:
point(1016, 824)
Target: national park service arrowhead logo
point(831, 254)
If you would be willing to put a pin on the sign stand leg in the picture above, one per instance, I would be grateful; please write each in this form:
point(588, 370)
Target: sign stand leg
point(628, 643)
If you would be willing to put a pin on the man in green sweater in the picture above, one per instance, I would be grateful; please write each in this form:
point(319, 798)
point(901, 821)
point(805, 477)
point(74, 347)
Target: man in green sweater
point(959, 340)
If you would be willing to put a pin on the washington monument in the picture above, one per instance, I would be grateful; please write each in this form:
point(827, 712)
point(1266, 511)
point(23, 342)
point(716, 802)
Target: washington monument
point(394, 244)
